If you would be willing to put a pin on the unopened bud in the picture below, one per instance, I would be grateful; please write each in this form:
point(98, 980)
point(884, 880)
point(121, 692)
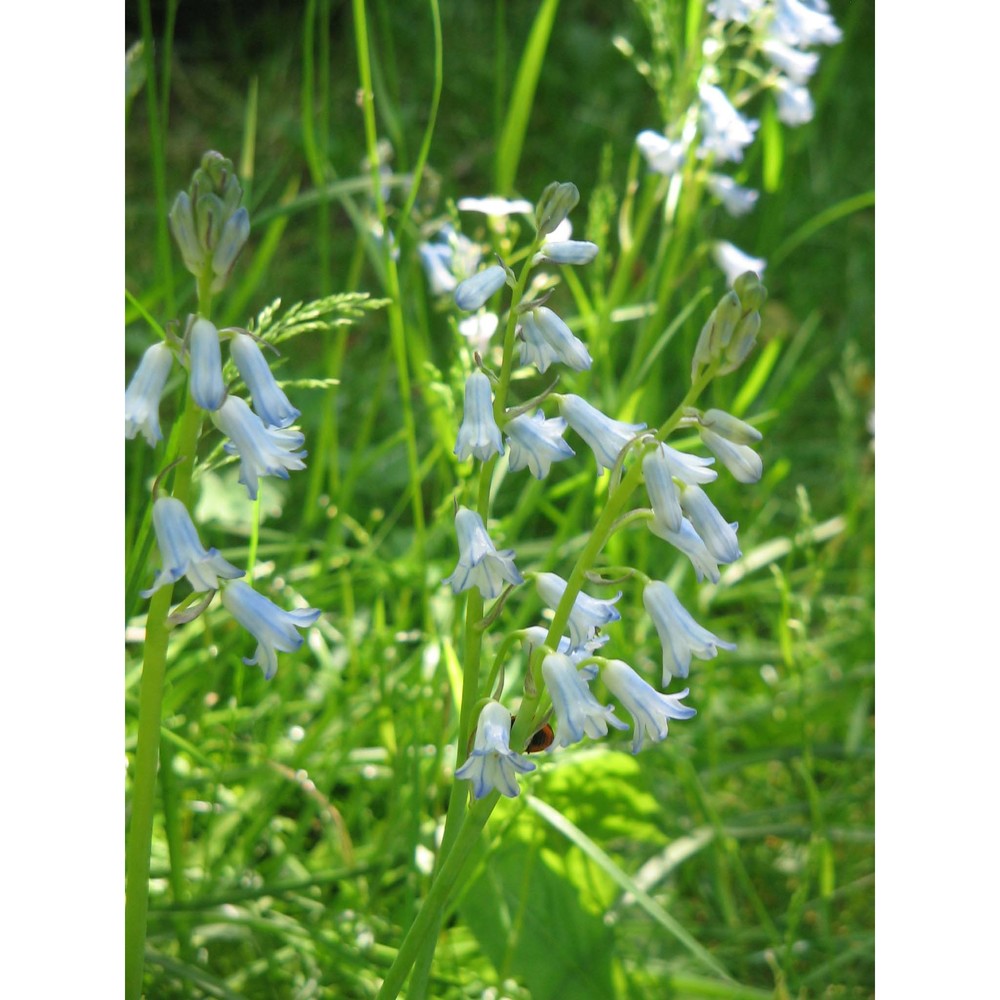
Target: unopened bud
point(744, 337)
point(751, 291)
point(207, 221)
point(717, 331)
point(555, 203)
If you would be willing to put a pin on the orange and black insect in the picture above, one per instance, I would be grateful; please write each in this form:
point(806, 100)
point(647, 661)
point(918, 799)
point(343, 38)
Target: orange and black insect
point(541, 740)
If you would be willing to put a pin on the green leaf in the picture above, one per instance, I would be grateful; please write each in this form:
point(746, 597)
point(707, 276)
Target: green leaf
point(527, 917)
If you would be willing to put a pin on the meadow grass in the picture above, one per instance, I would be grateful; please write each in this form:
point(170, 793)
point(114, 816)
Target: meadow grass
point(295, 817)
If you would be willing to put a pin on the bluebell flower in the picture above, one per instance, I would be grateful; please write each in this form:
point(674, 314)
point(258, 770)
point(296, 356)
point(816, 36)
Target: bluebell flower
point(436, 259)
point(448, 259)
point(142, 397)
point(688, 541)
point(478, 330)
point(729, 439)
point(546, 338)
point(736, 199)
point(474, 292)
point(207, 387)
point(734, 262)
point(536, 443)
point(578, 712)
point(480, 564)
point(535, 349)
point(274, 629)
point(605, 436)
point(182, 553)
point(715, 531)
point(686, 467)
point(798, 24)
point(795, 103)
point(567, 252)
point(492, 764)
point(263, 451)
point(663, 495)
point(680, 635)
point(739, 11)
point(496, 207)
point(535, 636)
point(725, 132)
point(479, 434)
point(588, 613)
point(269, 401)
point(650, 710)
point(663, 156)
point(796, 65)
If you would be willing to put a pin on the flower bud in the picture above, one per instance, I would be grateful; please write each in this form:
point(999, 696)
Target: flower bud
point(207, 221)
point(751, 291)
point(744, 337)
point(555, 203)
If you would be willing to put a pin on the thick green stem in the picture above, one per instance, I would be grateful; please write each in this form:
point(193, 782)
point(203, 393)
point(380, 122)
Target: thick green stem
point(428, 919)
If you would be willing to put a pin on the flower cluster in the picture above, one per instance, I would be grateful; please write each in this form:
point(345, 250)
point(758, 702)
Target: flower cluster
point(773, 40)
point(563, 669)
point(211, 228)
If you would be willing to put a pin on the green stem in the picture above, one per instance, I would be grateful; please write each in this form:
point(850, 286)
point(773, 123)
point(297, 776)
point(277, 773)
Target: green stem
point(154, 664)
point(432, 910)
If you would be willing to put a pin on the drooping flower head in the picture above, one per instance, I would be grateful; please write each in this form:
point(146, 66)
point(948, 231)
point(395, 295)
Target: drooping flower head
point(207, 387)
point(263, 451)
point(688, 541)
point(479, 434)
point(479, 563)
point(182, 553)
point(547, 338)
point(578, 712)
point(736, 199)
point(605, 436)
point(142, 397)
point(680, 635)
point(492, 764)
point(664, 156)
point(715, 531)
point(536, 443)
point(588, 613)
point(725, 132)
point(269, 401)
point(275, 630)
point(650, 710)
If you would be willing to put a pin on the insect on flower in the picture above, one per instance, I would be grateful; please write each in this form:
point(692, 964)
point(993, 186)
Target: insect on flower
point(540, 740)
